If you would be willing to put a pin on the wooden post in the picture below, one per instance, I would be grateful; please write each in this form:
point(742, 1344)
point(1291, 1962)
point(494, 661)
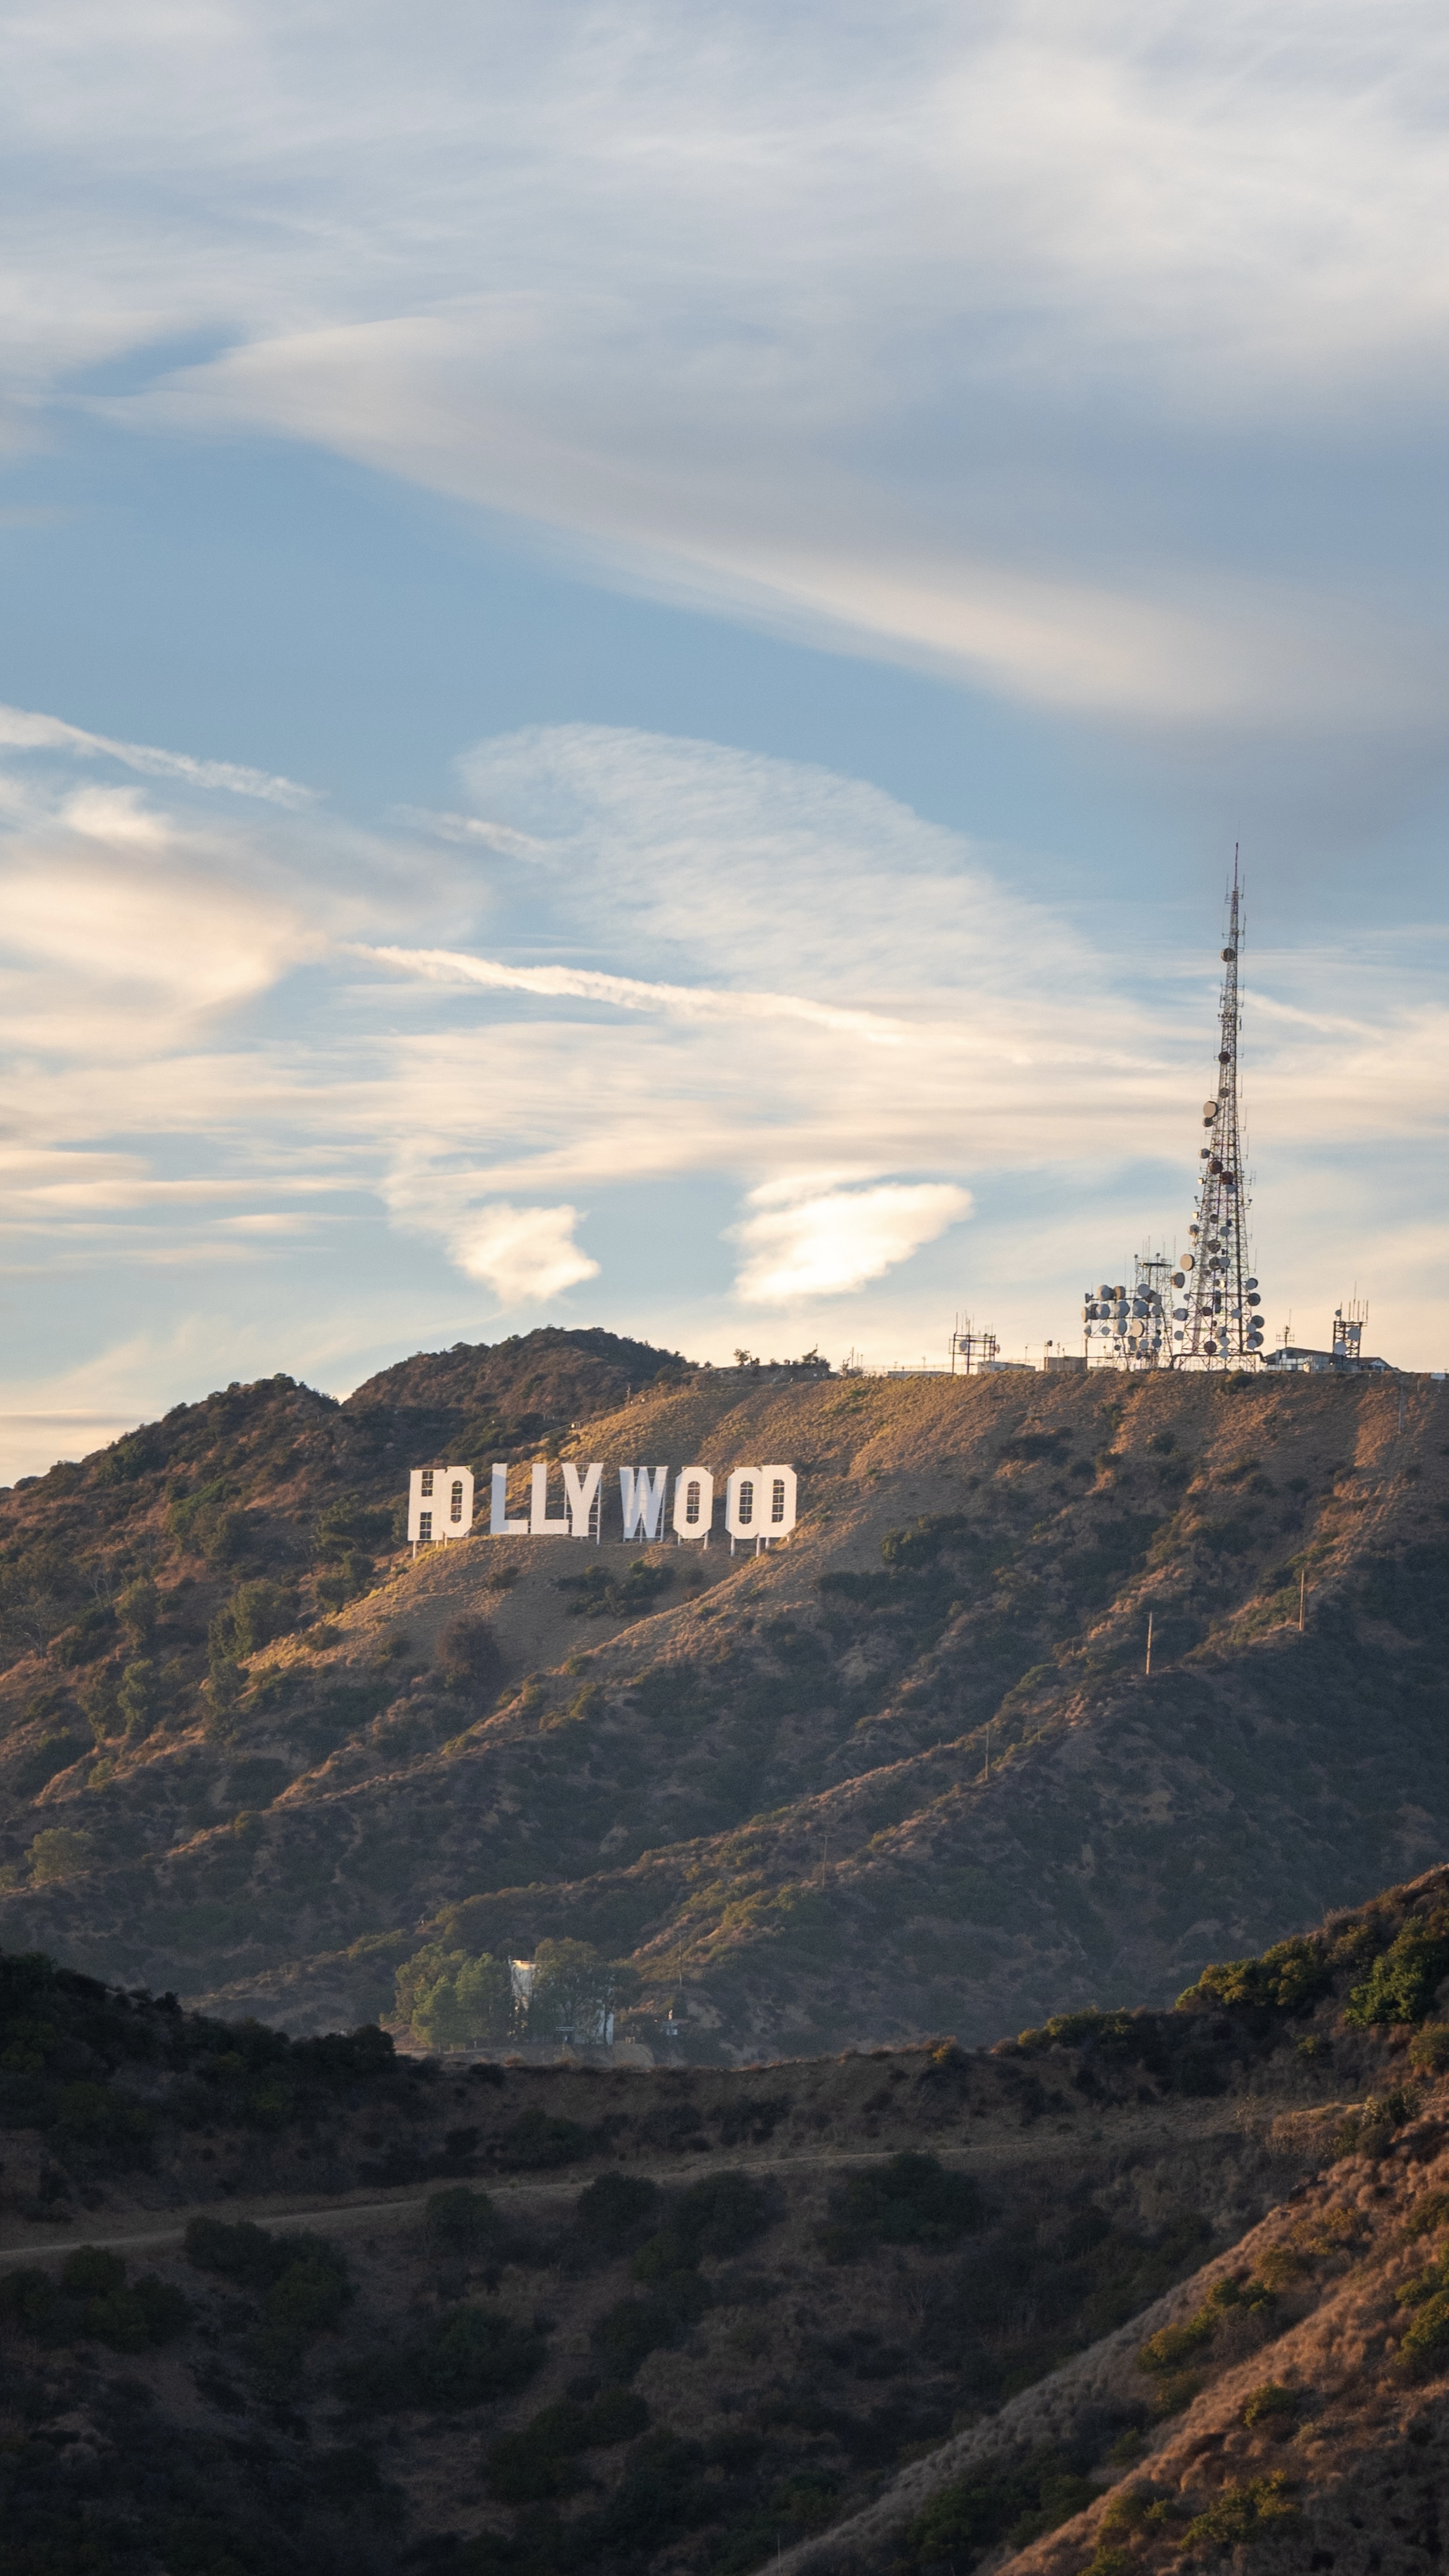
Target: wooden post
point(1149, 1642)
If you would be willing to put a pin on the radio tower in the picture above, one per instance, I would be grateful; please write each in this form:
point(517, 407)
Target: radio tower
point(1218, 1323)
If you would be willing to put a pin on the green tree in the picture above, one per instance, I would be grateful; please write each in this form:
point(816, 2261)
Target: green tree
point(575, 1991)
point(256, 1613)
point(136, 1611)
point(453, 2001)
point(98, 1696)
point(138, 1698)
point(57, 1852)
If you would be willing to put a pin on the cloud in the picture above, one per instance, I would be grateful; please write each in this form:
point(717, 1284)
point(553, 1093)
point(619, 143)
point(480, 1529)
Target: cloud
point(246, 1127)
point(974, 340)
point(21, 731)
point(525, 1255)
point(823, 1245)
point(627, 993)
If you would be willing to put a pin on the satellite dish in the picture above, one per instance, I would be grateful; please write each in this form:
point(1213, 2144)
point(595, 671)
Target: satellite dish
point(1250, 1283)
point(1188, 1259)
point(1210, 1109)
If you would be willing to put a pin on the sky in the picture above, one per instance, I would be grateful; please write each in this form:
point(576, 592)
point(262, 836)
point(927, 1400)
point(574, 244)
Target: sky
point(633, 645)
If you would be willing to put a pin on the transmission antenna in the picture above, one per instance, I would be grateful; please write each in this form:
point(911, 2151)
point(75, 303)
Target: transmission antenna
point(1217, 1321)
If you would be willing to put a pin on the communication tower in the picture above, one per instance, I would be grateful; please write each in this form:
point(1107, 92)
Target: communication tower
point(1217, 1321)
point(1348, 1324)
point(1130, 1325)
point(1202, 1309)
point(973, 1353)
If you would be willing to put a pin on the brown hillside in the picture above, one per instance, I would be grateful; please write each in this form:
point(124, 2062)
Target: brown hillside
point(906, 1774)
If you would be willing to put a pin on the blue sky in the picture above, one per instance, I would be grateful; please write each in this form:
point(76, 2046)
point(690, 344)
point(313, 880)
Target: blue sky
point(635, 644)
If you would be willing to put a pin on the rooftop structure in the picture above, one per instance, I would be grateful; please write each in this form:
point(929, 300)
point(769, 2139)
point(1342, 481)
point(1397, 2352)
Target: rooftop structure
point(1347, 1358)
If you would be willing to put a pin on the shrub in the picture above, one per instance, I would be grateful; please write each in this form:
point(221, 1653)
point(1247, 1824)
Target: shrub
point(528, 2467)
point(1431, 2214)
point(629, 2332)
point(1368, 2129)
point(1286, 1978)
point(1172, 2345)
point(469, 1655)
point(1422, 2352)
point(608, 2212)
point(1400, 1985)
point(1269, 2404)
point(104, 2115)
point(92, 2299)
point(1429, 2049)
point(136, 1613)
point(469, 2355)
point(300, 2278)
point(139, 1697)
point(255, 1614)
point(1016, 2504)
point(600, 1594)
point(536, 2141)
point(1240, 2512)
point(311, 2294)
point(58, 1853)
point(912, 2200)
point(717, 2217)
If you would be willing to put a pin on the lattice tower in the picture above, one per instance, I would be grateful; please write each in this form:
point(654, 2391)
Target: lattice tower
point(1217, 1319)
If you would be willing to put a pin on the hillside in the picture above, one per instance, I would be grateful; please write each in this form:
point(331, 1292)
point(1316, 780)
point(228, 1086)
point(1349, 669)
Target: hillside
point(905, 1775)
point(1129, 2289)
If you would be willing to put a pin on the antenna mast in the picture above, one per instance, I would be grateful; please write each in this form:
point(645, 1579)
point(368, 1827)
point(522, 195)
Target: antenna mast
point(1218, 1324)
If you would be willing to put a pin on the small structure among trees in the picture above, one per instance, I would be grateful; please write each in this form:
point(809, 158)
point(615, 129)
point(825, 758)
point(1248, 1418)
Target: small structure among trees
point(565, 1995)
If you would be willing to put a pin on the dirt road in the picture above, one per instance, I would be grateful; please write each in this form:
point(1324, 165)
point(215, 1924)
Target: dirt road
point(152, 2231)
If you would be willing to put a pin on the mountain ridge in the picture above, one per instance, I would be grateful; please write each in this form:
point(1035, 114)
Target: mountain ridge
point(905, 1774)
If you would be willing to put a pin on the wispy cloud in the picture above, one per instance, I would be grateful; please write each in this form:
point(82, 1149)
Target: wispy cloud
point(223, 1059)
point(22, 731)
point(909, 341)
point(627, 993)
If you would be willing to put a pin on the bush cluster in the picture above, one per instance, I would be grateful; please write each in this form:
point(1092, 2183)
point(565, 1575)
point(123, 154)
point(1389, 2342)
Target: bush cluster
point(1164, 2353)
point(912, 2200)
point(1287, 1978)
point(92, 2299)
point(1017, 2504)
point(301, 2283)
point(542, 2460)
point(712, 2220)
point(1400, 1985)
point(468, 2356)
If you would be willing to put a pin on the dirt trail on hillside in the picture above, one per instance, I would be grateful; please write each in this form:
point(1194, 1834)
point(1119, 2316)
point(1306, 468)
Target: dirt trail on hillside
point(152, 2230)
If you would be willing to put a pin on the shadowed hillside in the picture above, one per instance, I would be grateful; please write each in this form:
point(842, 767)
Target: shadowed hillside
point(906, 1774)
point(1131, 2289)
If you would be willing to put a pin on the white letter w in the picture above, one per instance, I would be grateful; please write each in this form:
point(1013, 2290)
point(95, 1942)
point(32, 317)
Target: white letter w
point(643, 1500)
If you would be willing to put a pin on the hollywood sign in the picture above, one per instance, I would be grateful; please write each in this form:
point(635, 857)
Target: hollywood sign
point(759, 1503)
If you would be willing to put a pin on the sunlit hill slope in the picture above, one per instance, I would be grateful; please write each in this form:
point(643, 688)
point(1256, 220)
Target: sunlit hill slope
point(905, 1774)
